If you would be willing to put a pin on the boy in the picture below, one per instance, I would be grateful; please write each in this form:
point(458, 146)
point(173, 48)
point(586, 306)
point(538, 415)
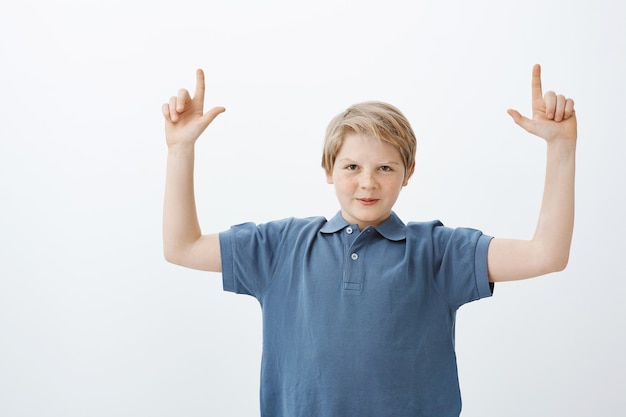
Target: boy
point(359, 311)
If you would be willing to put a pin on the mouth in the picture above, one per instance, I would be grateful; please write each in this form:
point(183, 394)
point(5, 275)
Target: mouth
point(367, 201)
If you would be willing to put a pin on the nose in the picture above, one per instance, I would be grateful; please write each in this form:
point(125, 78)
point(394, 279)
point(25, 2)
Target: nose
point(367, 181)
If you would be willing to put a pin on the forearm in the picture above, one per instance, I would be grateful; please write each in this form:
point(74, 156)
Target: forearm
point(553, 235)
point(180, 220)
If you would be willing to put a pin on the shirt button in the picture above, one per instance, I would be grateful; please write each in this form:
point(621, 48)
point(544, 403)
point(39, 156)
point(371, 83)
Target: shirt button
point(354, 256)
point(349, 230)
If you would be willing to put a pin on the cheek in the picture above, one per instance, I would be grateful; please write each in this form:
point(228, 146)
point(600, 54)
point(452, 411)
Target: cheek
point(342, 183)
point(395, 186)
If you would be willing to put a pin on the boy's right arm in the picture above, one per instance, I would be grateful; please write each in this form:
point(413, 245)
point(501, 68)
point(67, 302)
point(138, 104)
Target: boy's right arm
point(183, 242)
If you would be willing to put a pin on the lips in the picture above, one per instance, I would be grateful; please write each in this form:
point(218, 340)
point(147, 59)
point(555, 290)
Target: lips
point(367, 201)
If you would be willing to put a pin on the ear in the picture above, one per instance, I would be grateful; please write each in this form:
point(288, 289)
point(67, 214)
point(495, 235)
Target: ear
point(408, 175)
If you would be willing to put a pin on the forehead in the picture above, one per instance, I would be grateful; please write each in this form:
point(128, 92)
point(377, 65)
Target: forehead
point(359, 146)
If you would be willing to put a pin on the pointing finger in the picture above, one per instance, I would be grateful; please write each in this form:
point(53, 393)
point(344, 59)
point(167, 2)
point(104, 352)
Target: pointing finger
point(537, 93)
point(199, 94)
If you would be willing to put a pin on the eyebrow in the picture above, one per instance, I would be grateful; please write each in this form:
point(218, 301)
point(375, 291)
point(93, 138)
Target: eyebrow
point(378, 163)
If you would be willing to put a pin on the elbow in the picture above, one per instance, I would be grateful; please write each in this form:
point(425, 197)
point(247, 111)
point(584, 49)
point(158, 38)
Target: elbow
point(555, 262)
point(171, 255)
point(561, 264)
point(558, 266)
point(168, 257)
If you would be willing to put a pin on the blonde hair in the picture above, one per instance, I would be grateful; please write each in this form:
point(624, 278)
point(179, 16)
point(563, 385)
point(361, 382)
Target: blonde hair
point(373, 118)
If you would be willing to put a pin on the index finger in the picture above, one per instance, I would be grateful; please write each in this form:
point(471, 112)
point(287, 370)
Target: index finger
point(199, 93)
point(537, 93)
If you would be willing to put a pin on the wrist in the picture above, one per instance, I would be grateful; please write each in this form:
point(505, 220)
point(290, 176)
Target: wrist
point(562, 142)
point(563, 148)
point(180, 148)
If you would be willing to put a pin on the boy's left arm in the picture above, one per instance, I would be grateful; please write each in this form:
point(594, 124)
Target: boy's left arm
point(554, 120)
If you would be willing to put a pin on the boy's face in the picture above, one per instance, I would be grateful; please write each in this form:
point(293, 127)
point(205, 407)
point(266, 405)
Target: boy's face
point(368, 175)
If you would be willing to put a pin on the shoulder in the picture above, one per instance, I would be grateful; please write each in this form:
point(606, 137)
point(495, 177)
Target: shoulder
point(265, 240)
point(436, 233)
point(296, 223)
point(430, 225)
point(288, 225)
point(436, 228)
point(426, 230)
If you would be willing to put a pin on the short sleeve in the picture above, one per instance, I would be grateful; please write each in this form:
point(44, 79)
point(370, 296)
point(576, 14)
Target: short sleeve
point(249, 256)
point(461, 264)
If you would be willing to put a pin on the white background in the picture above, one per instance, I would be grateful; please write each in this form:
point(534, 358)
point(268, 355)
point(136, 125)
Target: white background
point(94, 322)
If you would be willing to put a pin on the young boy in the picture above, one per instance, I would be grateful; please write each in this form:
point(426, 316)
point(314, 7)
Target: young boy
point(359, 311)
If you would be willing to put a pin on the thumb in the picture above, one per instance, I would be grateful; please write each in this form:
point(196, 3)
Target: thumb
point(209, 116)
point(522, 121)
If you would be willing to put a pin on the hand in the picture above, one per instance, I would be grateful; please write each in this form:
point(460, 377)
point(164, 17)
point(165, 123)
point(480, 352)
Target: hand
point(553, 116)
point(185, 119)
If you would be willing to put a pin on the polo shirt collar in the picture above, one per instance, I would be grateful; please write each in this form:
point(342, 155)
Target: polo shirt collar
point(335, 224)
point(392, 229)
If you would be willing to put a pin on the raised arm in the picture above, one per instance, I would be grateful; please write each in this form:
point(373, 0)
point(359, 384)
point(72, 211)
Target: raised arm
point(183, 242)
point(553, 119)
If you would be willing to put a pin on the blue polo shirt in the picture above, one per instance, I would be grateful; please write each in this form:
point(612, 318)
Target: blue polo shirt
point(357, 323)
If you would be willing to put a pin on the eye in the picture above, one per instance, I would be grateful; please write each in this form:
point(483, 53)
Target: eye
point(351, 167)
point(386, 168)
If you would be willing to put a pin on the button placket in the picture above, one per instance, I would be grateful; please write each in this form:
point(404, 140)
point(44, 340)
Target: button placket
point(355, 266)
